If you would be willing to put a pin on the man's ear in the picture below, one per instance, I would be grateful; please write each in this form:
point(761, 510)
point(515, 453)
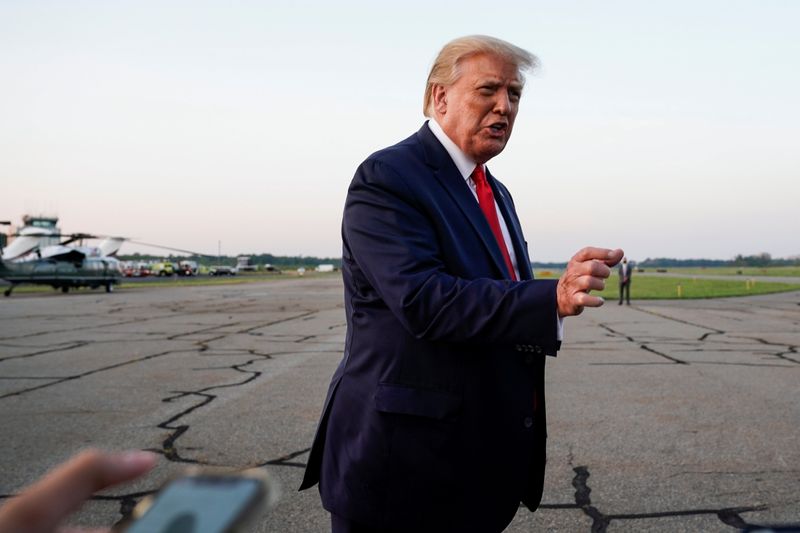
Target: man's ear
point(440, 99)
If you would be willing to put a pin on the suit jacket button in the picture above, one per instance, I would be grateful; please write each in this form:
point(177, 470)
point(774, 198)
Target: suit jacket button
point(537, 349)
point(528, 422)
point(518, 348)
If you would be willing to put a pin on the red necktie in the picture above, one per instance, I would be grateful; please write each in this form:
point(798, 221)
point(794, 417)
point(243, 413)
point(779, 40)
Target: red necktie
point(486, 201)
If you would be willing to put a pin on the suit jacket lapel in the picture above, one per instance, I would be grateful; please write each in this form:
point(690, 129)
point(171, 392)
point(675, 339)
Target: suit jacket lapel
point(445, 171)
point(514, 229)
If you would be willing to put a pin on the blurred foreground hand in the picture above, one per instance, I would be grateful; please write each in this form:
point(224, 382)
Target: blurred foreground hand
point(45, 505)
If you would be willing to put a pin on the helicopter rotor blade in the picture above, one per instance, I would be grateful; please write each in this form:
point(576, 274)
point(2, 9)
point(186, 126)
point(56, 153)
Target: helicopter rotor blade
point(70, 237)
point(73, 237)
point(77, 237)
point(171, 248)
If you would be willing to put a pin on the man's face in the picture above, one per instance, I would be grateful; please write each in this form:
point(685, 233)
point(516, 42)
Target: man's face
point(477, 112)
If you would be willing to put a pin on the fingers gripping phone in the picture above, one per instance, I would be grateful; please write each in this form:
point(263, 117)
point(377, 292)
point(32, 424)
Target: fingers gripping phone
point(203, 502)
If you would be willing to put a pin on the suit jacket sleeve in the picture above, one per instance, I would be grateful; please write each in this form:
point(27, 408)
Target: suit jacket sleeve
point(397, 238)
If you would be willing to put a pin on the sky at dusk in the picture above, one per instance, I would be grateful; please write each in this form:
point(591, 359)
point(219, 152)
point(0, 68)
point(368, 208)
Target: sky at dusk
point(670, 129)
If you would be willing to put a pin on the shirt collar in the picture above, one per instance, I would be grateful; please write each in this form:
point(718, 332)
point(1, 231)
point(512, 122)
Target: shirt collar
point(464, 164)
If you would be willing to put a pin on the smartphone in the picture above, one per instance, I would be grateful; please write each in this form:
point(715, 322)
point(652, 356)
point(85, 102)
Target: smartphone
point(203, 502)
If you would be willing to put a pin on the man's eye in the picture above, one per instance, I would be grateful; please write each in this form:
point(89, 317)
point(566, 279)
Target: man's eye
point(486, 91)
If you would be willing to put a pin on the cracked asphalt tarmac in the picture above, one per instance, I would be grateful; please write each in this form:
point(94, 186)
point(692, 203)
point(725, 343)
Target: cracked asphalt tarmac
point(664, 416)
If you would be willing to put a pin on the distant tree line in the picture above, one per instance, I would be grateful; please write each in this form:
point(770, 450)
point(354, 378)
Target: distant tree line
point(292, 260)
point(255, 259)
point(760, 260)
point(664, 262)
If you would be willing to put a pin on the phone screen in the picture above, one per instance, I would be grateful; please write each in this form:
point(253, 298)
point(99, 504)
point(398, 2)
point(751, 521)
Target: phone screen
point(202, 504)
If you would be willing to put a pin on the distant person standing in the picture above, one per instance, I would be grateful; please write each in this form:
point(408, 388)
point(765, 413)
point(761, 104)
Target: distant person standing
point(625, 275)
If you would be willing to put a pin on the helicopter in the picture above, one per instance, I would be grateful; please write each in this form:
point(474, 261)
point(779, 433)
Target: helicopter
point(65, 267)
point(72, 270)
point(38, 256)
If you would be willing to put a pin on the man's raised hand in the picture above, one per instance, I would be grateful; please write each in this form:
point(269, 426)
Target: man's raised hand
point(586, 271)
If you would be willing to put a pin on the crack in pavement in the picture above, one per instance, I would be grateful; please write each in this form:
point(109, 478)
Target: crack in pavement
point(712, 331)
point(61, 379)
point(273, 322)
point(200, 331)
point(665, 356)
point(78, 328)
point(732, 473)
point(64, 347)
point(169, 447)
point(730, 516)
point(630, 364)
point(10, 378)
point(90, 372)
point(643, 346)
point(762, 365)
point(127, 502)
point(286, 460)
point(790, 349)
point(783, 355)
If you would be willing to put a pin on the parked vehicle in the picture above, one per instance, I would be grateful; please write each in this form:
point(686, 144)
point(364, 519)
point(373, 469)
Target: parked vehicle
point(222, 270)
point(187, 268)
point(135, 270)
point(164, 268)
point(243, 264)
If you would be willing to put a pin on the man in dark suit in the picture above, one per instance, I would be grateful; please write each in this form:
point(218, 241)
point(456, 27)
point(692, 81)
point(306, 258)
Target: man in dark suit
point(435, 418)
point(625, 275)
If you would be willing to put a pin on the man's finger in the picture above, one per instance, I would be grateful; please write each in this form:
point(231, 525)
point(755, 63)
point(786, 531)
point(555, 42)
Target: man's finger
point(594, 284)
point(607, 255)
point(91, 471)
point(587, 300)
point(597, 269)
point(45, 504)
point(615, 257)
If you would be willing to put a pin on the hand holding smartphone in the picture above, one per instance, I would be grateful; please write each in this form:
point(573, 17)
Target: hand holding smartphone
point(204, 502)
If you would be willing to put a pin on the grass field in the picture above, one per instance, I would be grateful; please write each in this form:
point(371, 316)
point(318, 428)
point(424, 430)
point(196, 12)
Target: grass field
point(669, 288)
point(782, 271)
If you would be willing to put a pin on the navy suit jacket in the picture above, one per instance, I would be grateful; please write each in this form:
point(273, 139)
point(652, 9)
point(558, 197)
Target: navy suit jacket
point(434, 419)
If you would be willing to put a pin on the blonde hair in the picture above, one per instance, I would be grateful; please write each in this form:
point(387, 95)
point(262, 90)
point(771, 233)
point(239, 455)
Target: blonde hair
point(445, 68)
